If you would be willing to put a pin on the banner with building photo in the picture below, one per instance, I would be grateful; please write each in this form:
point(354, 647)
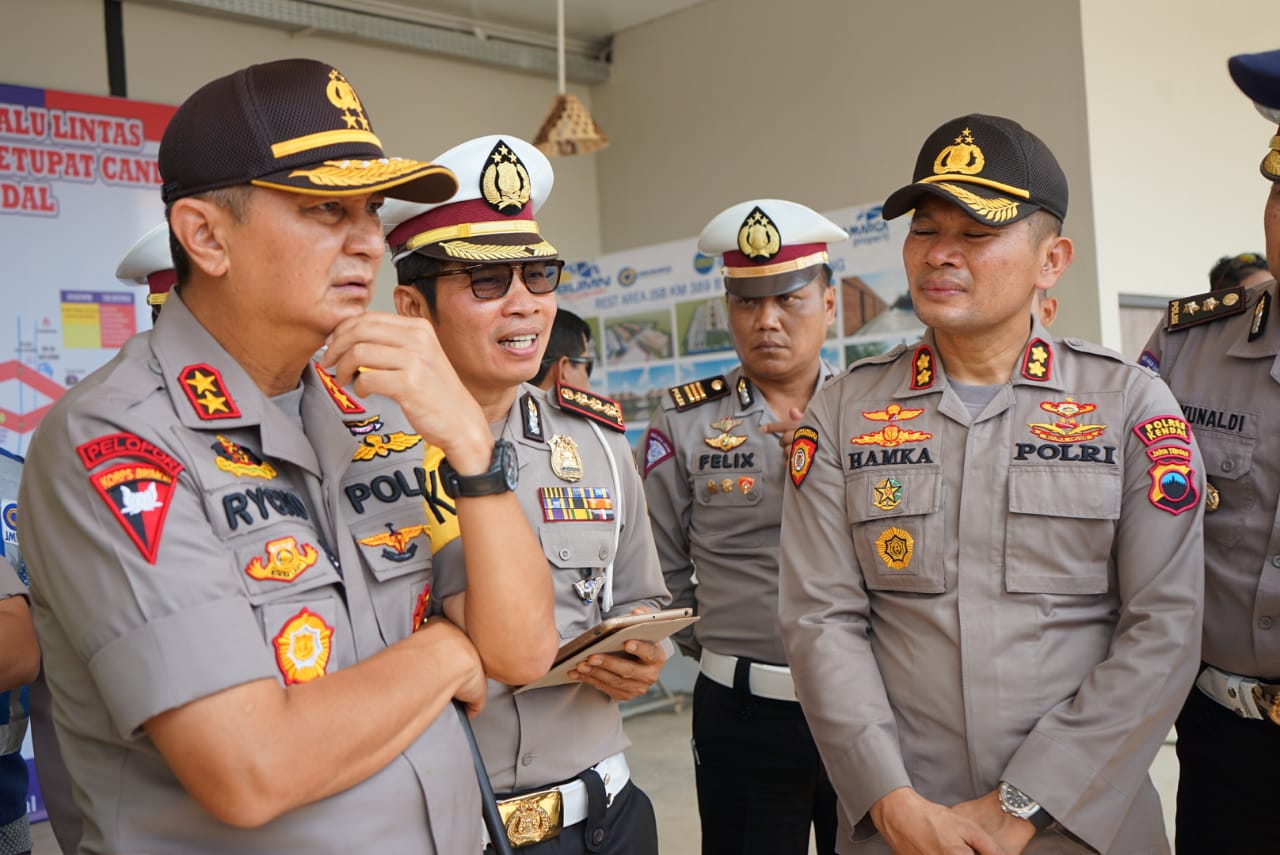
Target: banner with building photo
point(658, 315)
point(78, 184)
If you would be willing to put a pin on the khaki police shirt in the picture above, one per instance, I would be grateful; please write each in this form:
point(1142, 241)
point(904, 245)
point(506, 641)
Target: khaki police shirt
point(185, 536)
point(1228, 383)
point(1009, 597)
point(714, 482)
point(546, 736)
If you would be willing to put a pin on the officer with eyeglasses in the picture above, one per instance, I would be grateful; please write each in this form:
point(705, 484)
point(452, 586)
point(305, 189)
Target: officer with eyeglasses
point(568, 359)
point(480, 271)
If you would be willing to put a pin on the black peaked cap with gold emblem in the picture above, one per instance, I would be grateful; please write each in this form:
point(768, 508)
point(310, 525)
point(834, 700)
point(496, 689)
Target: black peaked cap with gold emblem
point(769, 246)
point(994, 169)
point(1258, 76)
point(295, 125)
point(502, 182)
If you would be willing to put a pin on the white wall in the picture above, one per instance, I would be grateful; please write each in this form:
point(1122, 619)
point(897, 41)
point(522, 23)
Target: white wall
point(827, 102)
point(1175, 147)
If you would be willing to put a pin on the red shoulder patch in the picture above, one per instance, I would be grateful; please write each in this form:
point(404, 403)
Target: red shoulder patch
point(347, 404)
point(207, 393)
point(138, 490)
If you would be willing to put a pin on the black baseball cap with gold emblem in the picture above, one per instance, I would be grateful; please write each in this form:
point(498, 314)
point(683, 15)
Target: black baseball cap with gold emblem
point(295, 125)
point(997, 171)
point(503, 181)
point(1258, 76)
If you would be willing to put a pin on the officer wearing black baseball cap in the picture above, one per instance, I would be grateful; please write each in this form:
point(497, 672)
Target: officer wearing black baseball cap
point(227, 571)
point(1220, 354)
point(992, 545)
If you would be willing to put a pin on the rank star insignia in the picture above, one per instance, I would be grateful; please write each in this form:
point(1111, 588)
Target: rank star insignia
point(302, 647)
point(923, 365)
point(1067, 428)
point(384, 445)
point(891, 436)
point(239, 460)
point(565, 462)
point(1210, 304)
point(1191, 307)
point(887, 494)
point(396, 542)
point(204, 388)
point(1036, 360)
point(895, 548)
point(286, 561)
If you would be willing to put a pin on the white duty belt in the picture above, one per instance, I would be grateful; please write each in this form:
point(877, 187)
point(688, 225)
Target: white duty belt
point(764, 681)
point(1245, 696)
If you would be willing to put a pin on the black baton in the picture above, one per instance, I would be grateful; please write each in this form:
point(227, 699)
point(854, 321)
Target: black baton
point(488, 802)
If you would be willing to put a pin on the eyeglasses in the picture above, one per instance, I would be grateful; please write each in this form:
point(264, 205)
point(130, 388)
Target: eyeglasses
point(589, 361)
point(493, 281)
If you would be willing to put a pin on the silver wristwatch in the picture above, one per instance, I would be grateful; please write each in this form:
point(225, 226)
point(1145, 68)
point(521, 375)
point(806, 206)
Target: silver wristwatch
point(1017, 803)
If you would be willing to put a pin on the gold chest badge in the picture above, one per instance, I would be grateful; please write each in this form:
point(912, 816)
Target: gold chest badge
point(565, 462)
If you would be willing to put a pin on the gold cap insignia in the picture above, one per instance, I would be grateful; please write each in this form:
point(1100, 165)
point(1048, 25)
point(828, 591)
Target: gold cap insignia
point(343, 96)
point(504, 183)
point(758, 238)
point(962, 156)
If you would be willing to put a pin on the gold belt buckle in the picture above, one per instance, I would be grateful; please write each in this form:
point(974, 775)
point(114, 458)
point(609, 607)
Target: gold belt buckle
point(1267, 699)
point(533, 817)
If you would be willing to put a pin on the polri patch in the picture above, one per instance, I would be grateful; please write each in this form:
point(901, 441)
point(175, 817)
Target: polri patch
point(1173, 487)
point(576, 504)
point(208, 395)
point(804, 445)
point(303, 646)
point(604, 411)
point(137, 491)
point(286, 560)
point(344, 402)
point(657, 448)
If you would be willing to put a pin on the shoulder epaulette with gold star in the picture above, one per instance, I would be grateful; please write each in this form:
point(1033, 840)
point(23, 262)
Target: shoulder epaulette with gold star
point(605, 411)
point(689, 395)
point(1202, 308)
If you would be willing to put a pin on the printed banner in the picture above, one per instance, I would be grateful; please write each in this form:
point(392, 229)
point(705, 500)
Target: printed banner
point(78, 185)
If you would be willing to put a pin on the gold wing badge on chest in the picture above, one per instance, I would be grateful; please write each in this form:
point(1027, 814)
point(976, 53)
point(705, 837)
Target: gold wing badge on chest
point(725, 441)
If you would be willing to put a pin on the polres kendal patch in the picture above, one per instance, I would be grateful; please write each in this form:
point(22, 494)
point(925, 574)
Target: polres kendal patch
point(1173, 487)
point(804, 445)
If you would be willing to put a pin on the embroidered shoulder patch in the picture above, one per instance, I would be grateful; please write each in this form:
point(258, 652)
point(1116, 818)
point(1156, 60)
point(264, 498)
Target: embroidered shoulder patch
point(605, 411)
point(804, 445)
point(1173, 487)
point(1201, 308)
point(207, 393)
point(138, 490)
point(347, 404)
point(922, 371)
point(688, 395)
point(1158, 428)
point(657, 448)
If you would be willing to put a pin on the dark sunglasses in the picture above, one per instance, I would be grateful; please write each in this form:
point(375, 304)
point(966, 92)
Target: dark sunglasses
point(493, 281)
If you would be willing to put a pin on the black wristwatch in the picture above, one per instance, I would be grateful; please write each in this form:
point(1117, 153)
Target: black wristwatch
point(1017, 803)
point(500, 477)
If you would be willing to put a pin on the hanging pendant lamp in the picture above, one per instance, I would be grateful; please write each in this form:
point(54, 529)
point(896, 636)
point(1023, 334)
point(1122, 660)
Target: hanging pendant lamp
point(568, 128)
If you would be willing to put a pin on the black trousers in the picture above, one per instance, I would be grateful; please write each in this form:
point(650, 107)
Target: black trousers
point(626, 827)
point(1227, 801)
point(761, 783)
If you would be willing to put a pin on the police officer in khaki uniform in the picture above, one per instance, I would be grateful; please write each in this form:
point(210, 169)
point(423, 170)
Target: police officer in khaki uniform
point(1220, 354)
point(714, 475)
point(479, 269)
point(990, 592)
point(19, 664)
point(237, 662)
